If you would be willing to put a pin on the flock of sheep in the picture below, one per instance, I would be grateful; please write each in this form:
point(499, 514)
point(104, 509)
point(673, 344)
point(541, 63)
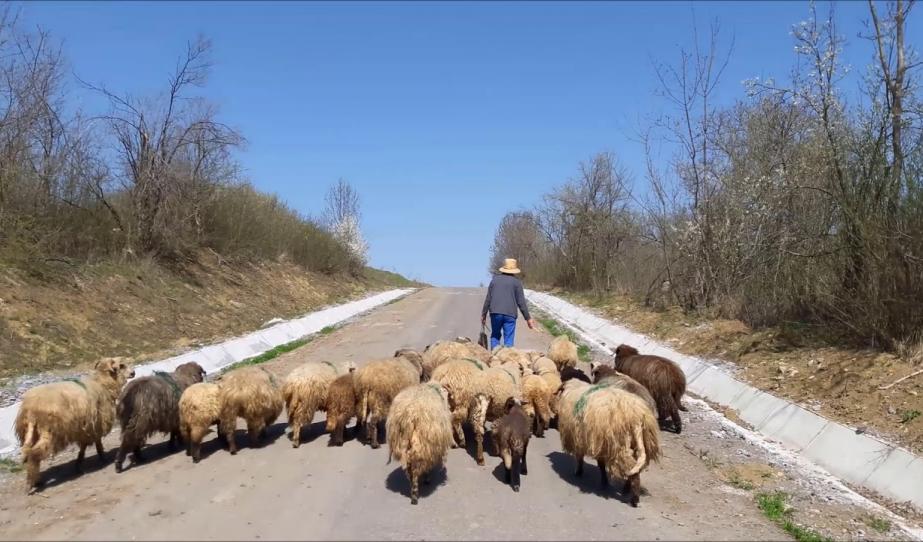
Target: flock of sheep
point(424, 399)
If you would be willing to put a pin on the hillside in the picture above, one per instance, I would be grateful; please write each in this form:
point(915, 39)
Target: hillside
point(61, 316)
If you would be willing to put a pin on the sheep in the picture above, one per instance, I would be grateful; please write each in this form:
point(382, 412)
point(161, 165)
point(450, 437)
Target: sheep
point(492, 387)
point(568, 424)
point(440, 352)
point(503, 355)
point(75, 411)
point(537, 395)
point(377, 384)
point(543, 364)
point(341, 407)
point(612, 425)
point(199, 409)
point(419, 429)
point(511, 441)
point(621, 432)
point(305, 392)
point(149, 405)
point(569, 373)
point(251, 393)
point(663, 379)
point(604, 373)
point(459, 378)
point(563, 352)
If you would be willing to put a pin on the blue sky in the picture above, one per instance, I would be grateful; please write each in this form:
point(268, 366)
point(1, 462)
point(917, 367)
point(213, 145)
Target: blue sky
point(443, 115)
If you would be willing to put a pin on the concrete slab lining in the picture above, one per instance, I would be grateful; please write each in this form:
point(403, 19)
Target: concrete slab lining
point(217, 356)
point(856, 458)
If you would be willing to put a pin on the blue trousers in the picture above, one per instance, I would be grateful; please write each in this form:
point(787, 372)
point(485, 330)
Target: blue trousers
point(504, 323)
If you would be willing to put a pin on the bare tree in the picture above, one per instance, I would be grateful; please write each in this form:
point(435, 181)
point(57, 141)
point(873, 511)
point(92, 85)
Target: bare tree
point(156, 140)
point(342, 202)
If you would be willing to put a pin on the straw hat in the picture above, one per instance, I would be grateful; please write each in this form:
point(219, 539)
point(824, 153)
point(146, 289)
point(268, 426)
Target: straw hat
point(510, 266)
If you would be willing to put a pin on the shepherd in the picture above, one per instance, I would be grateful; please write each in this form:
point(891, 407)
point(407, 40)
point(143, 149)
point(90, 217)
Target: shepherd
point(504, 301)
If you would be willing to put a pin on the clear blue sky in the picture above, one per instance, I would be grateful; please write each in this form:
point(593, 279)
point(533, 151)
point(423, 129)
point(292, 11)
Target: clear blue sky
point(443, 115)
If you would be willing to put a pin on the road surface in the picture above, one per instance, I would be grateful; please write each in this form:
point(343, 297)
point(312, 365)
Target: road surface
point(320, 492)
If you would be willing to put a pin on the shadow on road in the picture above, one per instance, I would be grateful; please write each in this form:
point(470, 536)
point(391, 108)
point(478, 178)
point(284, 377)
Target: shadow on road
point(65, 472)
point(397, 482)
point(309, 433)
point(564, 465)
point(273, 433)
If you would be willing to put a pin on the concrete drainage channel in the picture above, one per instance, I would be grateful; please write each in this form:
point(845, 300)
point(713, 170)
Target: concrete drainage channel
point(856, 458)
point(217, 356)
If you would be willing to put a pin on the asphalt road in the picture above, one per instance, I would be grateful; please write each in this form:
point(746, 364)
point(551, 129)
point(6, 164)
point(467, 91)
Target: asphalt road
point(320, 492)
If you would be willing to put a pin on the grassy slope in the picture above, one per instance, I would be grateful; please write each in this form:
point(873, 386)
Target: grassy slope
point(63, 317)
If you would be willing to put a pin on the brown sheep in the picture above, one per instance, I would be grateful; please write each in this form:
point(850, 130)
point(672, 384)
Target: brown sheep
point(459, 377)
point(419, 429)
point(199, 409)
point(570, 373)
point(341, 407)
point(251, 393)
point(663, 379)
point(563, 352)
point(440, 352)
point(305, 392)
point(53, 416)
point(511, 441)
point(149, 405)
point(604, 373)
point(378, 382)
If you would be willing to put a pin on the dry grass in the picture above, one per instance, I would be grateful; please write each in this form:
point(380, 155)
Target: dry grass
point(58, 317)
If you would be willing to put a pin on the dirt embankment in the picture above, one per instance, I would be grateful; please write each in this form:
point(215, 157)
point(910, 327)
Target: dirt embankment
point(797, 363)
point(58, 317)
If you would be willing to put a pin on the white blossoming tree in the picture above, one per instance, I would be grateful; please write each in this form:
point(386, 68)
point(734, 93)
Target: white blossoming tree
point(342, 217)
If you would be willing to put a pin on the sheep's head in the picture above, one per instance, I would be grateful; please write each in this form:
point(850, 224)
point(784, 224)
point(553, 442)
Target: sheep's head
point(115, 368)
point(191, 370)
point(413, 357)
point(510, 403)
point(463, 340)
point(622, 352)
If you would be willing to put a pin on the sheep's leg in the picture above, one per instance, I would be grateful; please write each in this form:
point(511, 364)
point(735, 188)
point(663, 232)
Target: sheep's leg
point(507, 465)
point(337, 438)
point(458, 433)
point(414, 476)
point(603, 474)
point(677, 423)
point(78, 464)
point(372, 430)
point(120, 455)
point(296, 432)
point(33, 471)
point(479, 440)
point(634, 485)
point(579, 471)
point(229, 435)
point(100, 452)
point(517, 465)
point(525, 468)
point(254, 430)
point(136, 454)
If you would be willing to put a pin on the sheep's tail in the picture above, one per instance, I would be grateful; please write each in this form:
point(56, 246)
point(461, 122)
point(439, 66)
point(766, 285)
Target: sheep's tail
point(36, 442)
point(363, 411)
point(637, 435)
